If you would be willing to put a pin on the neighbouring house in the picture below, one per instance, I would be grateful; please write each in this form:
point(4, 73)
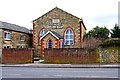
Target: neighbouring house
point(14, 36)
point(57, 29)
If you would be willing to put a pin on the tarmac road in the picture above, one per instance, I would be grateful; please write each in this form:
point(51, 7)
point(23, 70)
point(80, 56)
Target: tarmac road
point(25, 72)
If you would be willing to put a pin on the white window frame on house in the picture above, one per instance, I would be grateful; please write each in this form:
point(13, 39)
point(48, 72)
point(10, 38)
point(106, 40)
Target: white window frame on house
point(7, 47)
point(19, 46)
point(42, 32)
point(7, 35)
point(22, 37)
point(68, 39)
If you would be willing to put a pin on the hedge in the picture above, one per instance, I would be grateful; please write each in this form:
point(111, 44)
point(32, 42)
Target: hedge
point(112, 42)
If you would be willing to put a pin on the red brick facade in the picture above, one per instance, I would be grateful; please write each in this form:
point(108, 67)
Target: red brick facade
point(63, 29)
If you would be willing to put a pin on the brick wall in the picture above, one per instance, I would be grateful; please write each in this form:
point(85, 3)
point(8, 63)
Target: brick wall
point(71, 55)
point(17, 55)
point(0, 44)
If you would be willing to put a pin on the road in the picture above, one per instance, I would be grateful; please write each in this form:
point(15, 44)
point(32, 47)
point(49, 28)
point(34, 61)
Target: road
point(25, 72)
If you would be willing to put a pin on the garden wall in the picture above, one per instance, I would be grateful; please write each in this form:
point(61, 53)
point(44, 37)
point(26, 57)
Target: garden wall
point(15, 55)
point(71, 55)
point(109, 54)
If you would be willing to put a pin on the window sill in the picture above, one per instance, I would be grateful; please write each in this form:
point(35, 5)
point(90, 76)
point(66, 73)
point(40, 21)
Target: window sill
point(22, 40)
point(68, 44)
point(7, 39)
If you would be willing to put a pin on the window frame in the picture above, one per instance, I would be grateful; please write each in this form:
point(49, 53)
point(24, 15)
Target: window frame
point(68, 39)
point(49, 43)
point(19, 46)
point(7, 47)
point(42, 32)
point(7, 35)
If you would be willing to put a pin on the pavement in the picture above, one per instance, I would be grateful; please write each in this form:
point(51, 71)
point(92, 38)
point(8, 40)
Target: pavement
point(42, 65)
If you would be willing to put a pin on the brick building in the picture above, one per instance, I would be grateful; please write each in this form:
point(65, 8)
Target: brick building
point(57, 29)
point(14, 36)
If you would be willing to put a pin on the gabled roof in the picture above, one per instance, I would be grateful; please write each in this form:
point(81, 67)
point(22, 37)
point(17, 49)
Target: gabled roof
point(54, 9)
point(56, 35)
point(62, 11)
point(9, 26)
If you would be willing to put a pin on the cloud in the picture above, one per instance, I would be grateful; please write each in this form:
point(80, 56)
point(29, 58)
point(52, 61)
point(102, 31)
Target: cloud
point(105, 19)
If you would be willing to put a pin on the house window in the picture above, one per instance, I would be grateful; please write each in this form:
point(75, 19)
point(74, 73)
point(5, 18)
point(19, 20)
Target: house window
point(19, 46)
point(69, 37)
point(43, 31)
point(7, 35)
point(7, 47)
point(50, 44)
point(55, 20)
point(22, 37)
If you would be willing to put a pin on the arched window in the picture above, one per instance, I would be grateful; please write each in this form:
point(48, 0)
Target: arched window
point(69, 37)
point(43, 31)
point(50, 44)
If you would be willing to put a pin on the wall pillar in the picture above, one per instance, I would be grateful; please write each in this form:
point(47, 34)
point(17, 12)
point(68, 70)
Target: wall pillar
point(1, 45)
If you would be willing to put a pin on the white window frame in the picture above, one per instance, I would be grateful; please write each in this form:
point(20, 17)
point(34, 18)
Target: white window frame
point(19, 46)
point(42, 32)
point(8, 35)
point(69, 39)
point(7, 47)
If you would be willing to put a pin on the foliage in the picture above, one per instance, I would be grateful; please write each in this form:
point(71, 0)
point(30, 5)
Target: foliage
point(111, 42)
point(91, 42)
point(115, 32)
point(98, 32)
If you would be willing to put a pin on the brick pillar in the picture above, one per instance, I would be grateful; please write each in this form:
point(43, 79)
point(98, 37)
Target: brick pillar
point(42, 48)
point(1, 45)
point(79, 34)
point(56, 43)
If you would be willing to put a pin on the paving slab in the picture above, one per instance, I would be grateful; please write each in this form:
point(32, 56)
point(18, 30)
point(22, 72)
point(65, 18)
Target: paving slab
point(41, 65)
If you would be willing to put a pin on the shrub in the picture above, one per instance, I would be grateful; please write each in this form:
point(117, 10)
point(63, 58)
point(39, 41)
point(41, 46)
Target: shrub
point(110, 42)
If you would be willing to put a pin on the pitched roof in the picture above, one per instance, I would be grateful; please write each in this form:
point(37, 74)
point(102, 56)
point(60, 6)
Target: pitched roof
point(62, 11)
point(56, 35)
point(14, 27)
point(54, 9)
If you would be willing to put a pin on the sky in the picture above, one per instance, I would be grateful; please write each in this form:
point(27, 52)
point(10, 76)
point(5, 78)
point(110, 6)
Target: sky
point(93, 12)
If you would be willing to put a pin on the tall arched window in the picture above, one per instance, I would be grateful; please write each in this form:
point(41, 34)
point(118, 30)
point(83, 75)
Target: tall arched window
point(50, 44)
point(43, 31)
point(69, 37)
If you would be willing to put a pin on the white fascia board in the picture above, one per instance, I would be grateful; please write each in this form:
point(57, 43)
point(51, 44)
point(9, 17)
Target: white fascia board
point(47, 34)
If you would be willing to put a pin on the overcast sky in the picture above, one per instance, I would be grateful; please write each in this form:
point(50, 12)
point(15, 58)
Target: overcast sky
point(93, 12)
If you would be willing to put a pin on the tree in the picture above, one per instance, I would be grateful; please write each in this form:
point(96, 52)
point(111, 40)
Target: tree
point(91, 42)
point(95, 37)
point(98, 32)
point(115, 32)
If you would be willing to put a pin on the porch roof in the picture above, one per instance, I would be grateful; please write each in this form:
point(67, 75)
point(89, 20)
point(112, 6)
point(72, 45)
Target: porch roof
point(55, 34)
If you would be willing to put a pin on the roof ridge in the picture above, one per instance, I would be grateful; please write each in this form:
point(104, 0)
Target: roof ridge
point(59, 9)
point(14, 27)
point(12, 24)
